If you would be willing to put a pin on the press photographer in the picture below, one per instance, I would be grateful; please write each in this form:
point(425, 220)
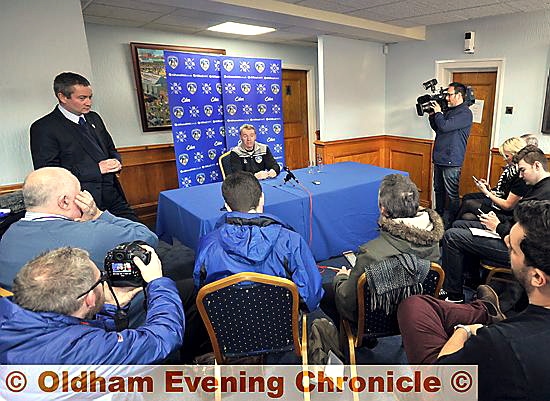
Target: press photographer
point(452, 129)
point(63, 313)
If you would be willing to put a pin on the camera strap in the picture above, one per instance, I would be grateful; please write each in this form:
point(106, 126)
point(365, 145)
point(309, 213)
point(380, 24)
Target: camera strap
point(121, 317)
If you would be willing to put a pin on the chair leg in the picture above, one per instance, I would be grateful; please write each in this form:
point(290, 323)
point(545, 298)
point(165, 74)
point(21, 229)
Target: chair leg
point(351, 342)
point(307, 395)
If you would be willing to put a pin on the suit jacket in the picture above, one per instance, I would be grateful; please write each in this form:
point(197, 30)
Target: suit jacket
point(57, 141)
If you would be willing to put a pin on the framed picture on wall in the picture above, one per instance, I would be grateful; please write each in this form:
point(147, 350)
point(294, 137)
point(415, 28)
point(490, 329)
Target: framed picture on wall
point(546, 115)
point(150, 75)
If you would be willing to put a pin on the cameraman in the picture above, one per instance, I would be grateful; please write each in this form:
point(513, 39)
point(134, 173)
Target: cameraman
point(452, 129)
point(62, 313)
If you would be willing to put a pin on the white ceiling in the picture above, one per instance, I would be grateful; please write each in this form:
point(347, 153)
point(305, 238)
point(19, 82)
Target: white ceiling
point(301, 21)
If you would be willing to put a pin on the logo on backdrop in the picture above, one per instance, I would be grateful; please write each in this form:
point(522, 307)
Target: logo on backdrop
point(173, 62)
point(204, 63)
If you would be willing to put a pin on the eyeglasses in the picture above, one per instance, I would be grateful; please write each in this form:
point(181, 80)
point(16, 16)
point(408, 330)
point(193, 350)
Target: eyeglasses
point(101, 280)
point(450, 94)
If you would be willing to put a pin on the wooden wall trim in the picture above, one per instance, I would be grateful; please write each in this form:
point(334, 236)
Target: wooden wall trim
point(4, 189)
point(400, 153)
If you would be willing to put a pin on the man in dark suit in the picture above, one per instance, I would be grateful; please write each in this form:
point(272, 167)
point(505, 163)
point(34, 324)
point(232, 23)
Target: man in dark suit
point(74, 137)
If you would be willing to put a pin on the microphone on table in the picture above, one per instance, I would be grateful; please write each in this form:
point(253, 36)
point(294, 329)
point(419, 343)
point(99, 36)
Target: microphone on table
point(289, 175)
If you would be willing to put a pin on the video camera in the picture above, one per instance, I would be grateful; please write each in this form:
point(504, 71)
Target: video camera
point(120, 267)
point(424, 102)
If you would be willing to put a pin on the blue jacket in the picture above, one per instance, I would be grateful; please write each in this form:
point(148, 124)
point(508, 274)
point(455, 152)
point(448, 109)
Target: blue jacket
point(259, 243)
point(452, 130)
point(29, 338)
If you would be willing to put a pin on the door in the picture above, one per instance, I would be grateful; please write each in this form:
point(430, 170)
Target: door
point(476, 162)
point(295, 118)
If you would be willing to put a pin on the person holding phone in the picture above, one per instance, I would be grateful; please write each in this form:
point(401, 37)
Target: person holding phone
point(509, 190)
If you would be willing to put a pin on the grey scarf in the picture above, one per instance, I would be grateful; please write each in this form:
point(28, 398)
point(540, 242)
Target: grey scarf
point(393, 279)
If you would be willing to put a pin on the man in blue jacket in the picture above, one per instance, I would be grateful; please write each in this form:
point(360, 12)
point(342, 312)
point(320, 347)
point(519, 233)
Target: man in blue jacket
point(452, 129)
point(50, 318)
point(248, 240)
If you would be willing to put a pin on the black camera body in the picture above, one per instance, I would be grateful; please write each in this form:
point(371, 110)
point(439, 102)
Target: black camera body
point(120, 267)
point(424, 103)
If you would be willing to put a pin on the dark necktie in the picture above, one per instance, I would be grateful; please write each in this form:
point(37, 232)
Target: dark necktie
point(90, 135)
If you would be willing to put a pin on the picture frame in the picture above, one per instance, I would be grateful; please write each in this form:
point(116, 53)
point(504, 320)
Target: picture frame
point(150, 80)
point(545, 129)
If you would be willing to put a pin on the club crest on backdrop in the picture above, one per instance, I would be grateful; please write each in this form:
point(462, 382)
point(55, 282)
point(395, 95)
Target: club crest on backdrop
point(260, 66)
point(173, 61)
point(192, 87)
point(228, 65)
point(204, 63)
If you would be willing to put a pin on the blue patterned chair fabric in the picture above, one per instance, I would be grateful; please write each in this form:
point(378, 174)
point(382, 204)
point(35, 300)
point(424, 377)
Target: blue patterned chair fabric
point(378, 324)
point(251, 319)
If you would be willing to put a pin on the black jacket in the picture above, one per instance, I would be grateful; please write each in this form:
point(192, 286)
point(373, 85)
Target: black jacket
point(56, 141)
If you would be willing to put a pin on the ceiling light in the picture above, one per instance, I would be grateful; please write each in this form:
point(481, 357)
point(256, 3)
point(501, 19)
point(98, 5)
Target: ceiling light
point(240, 29)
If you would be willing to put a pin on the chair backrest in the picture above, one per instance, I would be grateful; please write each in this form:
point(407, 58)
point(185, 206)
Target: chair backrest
point(5, 293)
point(250, 314)
point(225, 164)
point(377, 323)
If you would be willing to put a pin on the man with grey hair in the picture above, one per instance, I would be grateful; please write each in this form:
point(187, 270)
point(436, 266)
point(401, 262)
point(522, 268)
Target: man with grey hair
point(51, 317)
point(530, 139)
point(404, 228)
point(252, 156)
point(60, 214)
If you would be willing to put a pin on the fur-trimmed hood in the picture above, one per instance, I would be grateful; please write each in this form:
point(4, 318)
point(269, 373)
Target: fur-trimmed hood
point(415, 230)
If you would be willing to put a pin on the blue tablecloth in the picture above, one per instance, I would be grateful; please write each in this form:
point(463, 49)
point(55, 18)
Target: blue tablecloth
point(344, 213)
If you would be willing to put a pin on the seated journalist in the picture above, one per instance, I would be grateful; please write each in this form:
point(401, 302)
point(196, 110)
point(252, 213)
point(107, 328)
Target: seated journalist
point(253, 156)
point(62, 313)
point(60, 214)
point(462, 249)
point(511, 355)
point(509, 190)
point(248, 240)
point(404, 228)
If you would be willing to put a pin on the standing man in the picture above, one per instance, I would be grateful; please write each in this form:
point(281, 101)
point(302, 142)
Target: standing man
point(452, 129)
point(254, 157)
point(74, 137)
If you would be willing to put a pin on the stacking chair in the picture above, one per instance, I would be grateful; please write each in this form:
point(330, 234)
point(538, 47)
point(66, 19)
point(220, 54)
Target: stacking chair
point(497, 273)
point(225, 164)
point(5, 293)
point(251, 314)
point(374, 324)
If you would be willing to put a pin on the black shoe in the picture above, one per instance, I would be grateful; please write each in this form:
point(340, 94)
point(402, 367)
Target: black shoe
point(489, 298)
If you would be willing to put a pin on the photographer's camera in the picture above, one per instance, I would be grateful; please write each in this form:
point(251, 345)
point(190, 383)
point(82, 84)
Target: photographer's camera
point(120, 267)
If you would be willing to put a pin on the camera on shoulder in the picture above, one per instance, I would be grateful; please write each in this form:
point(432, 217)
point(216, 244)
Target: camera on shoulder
point(120, 267)
point(424, 103)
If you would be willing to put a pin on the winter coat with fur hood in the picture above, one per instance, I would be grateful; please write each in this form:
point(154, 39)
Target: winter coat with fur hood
point(417, 235)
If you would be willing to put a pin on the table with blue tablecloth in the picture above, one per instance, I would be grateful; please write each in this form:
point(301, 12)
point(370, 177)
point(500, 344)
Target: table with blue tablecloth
point(334, 210)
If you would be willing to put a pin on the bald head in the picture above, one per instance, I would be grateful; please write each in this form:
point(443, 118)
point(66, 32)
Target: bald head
point(51, 190)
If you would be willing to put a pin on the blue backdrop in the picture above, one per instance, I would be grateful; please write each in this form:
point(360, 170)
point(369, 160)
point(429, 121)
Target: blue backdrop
point(252, 95)
point(202, 90)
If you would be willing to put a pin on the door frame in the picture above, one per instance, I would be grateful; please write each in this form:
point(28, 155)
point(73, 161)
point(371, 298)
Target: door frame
point(311, 103)
point(444, 70)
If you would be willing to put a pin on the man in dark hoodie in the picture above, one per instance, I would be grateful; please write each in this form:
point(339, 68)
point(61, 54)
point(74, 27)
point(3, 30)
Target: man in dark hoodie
point(248, 240)
point(404, 228)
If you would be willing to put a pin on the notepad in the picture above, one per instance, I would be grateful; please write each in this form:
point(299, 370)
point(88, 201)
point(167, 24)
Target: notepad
point(478, 232)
